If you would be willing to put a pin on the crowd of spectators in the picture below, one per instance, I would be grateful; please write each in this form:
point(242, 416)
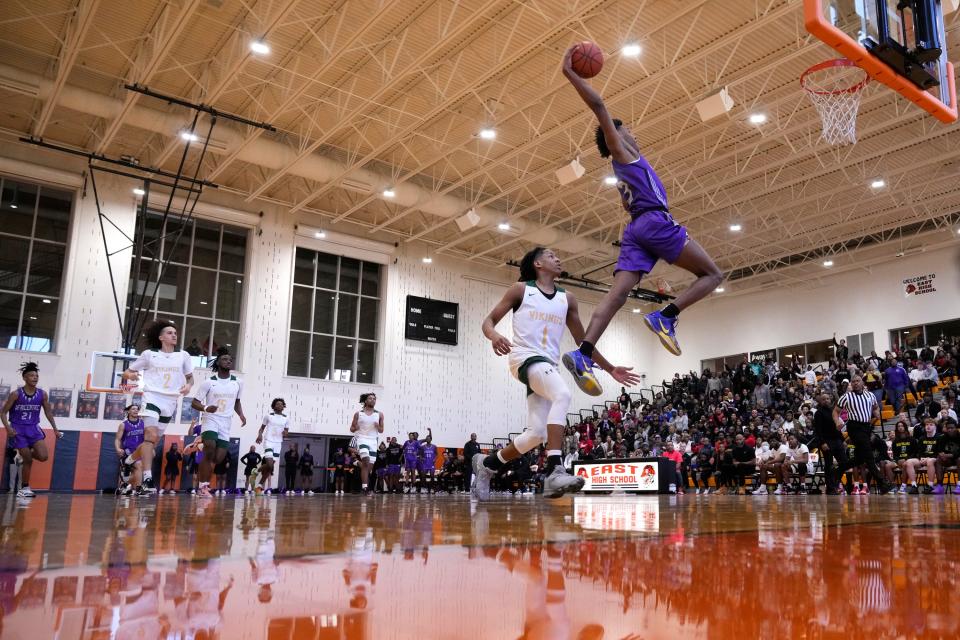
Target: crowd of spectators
point(758, 417)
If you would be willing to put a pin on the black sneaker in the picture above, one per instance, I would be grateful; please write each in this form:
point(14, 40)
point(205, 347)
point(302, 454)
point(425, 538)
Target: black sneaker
point(885, 488)
point(148, 487)
point(912, 490)
point(927, 489)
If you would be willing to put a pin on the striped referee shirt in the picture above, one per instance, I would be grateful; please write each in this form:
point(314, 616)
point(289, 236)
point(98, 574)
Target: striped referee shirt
point(859, 405)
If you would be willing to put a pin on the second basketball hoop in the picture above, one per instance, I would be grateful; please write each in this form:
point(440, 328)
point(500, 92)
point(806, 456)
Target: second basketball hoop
point(835, 88)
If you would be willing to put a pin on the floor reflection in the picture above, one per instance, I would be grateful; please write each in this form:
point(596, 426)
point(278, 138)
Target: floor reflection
point(591, 567)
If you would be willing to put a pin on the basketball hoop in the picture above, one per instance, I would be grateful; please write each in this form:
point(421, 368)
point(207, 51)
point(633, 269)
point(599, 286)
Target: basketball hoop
point(835, 88)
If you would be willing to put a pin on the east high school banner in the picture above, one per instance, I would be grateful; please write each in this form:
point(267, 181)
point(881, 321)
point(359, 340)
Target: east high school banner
point(627, 476)
point(919, 285)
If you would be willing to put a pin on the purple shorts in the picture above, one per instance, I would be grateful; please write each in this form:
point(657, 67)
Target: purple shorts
point(649, 237)
point(26, 436)
point(393, 469)
point(381, 472)
point(410, 464)
point(427, 466)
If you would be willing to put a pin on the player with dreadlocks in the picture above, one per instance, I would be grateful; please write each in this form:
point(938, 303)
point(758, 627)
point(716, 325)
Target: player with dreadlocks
point(218, 398)
point(168, 374)
point(541, 310)
point(21, 419)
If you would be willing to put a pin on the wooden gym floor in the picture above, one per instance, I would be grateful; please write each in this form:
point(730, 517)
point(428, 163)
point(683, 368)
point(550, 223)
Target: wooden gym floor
point(587, 567)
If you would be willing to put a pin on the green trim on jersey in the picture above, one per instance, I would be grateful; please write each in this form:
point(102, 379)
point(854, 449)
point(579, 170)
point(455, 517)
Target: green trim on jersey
point(522, 371)
point(533, 283)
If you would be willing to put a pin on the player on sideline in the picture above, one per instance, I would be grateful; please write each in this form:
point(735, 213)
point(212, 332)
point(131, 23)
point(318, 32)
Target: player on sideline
point(218, 397)
point(168, 374)
point(541, 309)
point(128, 439)
point(411, 461)
point(273, 430)
point(428, 462)
point(21, 419)
point(651, 235)
point(367, 425)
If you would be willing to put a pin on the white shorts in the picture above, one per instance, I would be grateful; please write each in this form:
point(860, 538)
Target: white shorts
point(159, 409)
point(367, 447)
point(218, 423)
point(271, 449)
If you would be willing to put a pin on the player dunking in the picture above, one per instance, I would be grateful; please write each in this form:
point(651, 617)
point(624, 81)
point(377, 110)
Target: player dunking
point(218, 397)
point(21, 418)
point(273, 430)
point(168, 374)
point(541, 309)
point(367, 425)
point(651, 235)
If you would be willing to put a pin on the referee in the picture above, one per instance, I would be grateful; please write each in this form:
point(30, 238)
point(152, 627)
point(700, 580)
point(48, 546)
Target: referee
point(862, 410)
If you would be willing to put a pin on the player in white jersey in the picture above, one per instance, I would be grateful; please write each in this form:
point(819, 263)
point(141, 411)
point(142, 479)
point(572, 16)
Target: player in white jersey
point(367, 425)
point(273, 430)
point(541, 310)
point(168, 374)
point(218, 397)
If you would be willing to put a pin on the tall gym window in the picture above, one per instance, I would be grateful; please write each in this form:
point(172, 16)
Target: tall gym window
point(334, 317)
point(201, 287)
point(34, 221)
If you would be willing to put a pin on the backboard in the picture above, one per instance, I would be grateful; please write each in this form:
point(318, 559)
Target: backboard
point(105, 370)
point(900, 43)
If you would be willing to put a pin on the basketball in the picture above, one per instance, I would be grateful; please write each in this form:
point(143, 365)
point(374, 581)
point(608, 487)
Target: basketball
point(587, 59)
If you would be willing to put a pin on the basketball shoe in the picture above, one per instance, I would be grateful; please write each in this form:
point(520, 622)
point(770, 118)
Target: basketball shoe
point(581, 368)
point(665, 328)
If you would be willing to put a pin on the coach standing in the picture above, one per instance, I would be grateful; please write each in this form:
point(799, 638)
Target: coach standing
point(862, 410)
point(470, 449)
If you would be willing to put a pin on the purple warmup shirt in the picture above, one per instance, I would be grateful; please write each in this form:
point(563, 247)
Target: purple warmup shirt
point(132, 435)
point(640, 186)
point(25, 411)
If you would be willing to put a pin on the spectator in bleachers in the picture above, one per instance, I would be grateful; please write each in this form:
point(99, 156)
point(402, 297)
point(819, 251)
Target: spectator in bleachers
point(677, 458)
point(925, 459)
point(904, 447)
point(842, 352)
point(946, 413)
point(743, 463)
point(948, 453)
point(926, 377)
point(928, 408)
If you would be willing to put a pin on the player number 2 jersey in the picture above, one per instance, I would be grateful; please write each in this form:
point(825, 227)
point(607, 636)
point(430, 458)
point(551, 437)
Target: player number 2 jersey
point(163, 373)
point(538, 325)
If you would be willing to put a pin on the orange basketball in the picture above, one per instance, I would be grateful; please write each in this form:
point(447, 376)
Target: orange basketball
point(587, 59)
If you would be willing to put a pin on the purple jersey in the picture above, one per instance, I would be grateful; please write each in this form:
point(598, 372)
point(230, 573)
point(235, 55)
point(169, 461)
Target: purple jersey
point(132, 435)
point(640, 187)
point(25, 411)
point(411, 448)
point(429, 452)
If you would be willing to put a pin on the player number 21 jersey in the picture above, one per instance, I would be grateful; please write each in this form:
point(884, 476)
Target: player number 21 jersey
point(538, 325)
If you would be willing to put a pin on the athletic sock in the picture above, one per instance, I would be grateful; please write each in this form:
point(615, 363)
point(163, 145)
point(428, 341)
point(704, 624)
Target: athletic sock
point(493, 461)
point(553, 460)
point(670, 311)
point(586, 348)
point(147, 474)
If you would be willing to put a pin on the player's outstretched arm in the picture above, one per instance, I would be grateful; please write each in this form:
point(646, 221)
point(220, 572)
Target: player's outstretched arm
point(353, 425)
point(380, 426)
point(511, 300)
point(593, 100)
point(623, 375)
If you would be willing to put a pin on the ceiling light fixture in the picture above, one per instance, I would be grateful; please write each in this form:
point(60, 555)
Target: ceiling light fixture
point(636, 310)
point(879, 183)
point(610, 180)
point(631, 50)
point(736, 227)
point(488, 134)
point(139, 192)
point(504, 226)
point(13, 205)
point(758, 118)
point(188, 136)
point(828, 263)
point(427, 260)
point(719, 289)
point(319, 234)
point(46, 301)
point(260, 47)
point(388, 193)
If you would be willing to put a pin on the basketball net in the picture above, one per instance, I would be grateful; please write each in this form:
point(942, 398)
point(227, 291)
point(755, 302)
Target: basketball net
point(835, 88)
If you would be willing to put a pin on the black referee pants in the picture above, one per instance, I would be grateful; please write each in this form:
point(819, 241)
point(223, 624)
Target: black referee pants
point(860, 433)
point(835, 455)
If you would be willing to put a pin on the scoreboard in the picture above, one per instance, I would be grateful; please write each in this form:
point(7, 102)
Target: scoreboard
point(431, 320)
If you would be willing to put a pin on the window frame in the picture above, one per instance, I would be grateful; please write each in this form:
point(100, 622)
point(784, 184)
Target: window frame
point(68, 245)
point(183, 316)
point(313, 288)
